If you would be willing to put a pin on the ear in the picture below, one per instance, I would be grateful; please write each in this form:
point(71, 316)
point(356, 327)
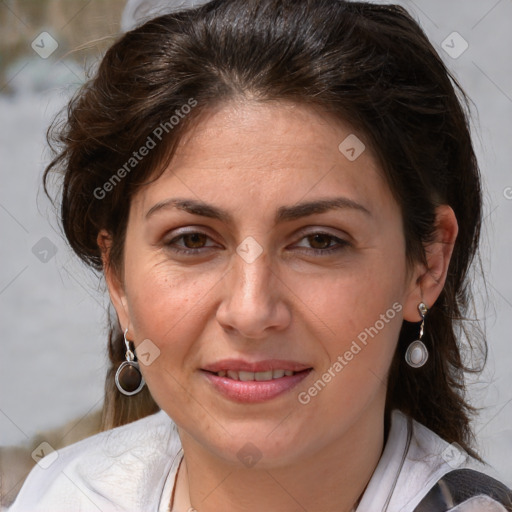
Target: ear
point(426, 284)
point(114, 282)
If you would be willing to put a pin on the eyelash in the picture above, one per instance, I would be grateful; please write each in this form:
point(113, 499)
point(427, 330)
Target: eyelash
point(342, 244)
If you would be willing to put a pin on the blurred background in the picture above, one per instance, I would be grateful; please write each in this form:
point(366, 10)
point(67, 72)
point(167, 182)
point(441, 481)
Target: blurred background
point(53, 310)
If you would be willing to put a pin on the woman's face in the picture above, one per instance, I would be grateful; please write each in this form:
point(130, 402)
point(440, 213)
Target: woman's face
point(245, 274)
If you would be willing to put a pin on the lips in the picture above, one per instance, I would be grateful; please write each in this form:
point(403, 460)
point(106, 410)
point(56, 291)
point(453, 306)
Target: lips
point(251, 382)
point(259, 376)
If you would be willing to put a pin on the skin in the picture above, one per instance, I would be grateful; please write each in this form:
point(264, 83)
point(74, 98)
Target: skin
point(289, 303)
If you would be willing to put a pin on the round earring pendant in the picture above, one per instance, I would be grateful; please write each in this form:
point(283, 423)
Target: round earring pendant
point(128, 378)
point(416, 354)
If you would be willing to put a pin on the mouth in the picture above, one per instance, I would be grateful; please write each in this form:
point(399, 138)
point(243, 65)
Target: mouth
point(255, 376)
point(245, 382)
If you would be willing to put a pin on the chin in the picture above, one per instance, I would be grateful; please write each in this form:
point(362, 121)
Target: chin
point(259, 448)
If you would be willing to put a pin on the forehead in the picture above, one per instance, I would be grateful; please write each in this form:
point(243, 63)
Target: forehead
point(259, 131)
point(280, 151)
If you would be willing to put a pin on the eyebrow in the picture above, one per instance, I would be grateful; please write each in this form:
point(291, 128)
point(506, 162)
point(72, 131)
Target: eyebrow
point(283, 214)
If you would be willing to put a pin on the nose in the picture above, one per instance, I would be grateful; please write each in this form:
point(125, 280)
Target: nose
point(254, 299)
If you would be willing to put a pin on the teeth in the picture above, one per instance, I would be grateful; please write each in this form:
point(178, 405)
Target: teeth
point(263, 375)
point(255, 376)
point(245, 376)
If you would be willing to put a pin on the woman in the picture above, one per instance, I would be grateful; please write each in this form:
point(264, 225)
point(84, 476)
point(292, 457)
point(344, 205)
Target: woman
point(284, 201)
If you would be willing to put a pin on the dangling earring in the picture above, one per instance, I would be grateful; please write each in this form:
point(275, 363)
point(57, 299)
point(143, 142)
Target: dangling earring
point(128, 377)
point(417, 353)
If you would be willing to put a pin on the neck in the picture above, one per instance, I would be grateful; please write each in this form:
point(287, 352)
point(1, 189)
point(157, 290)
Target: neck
point(331, 479)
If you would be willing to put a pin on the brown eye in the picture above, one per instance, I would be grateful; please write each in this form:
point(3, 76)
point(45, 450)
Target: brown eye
point(195, 240)
point(190, 243)
point(323, 244)
point(320, 240)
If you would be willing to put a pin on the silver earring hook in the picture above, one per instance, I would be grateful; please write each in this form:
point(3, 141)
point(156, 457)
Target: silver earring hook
point(422, 308)
point(129, 354)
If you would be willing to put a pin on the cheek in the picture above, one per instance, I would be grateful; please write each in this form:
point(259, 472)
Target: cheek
point(165, 304)
point(364, 321)
point(169, 307)
point(360, 316)
point(352, 299)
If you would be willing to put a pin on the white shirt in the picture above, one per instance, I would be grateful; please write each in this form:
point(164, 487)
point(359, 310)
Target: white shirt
point(133, 468)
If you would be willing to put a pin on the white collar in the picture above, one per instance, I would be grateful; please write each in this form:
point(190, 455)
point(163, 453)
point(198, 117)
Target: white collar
point(412, 462)
point(133, 467)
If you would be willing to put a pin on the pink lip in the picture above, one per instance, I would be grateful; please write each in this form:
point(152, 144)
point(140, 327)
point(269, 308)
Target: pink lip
point(254, 391)
point(256, 366)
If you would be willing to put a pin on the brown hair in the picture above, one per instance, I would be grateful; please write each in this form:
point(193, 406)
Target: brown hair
point(370, 65)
